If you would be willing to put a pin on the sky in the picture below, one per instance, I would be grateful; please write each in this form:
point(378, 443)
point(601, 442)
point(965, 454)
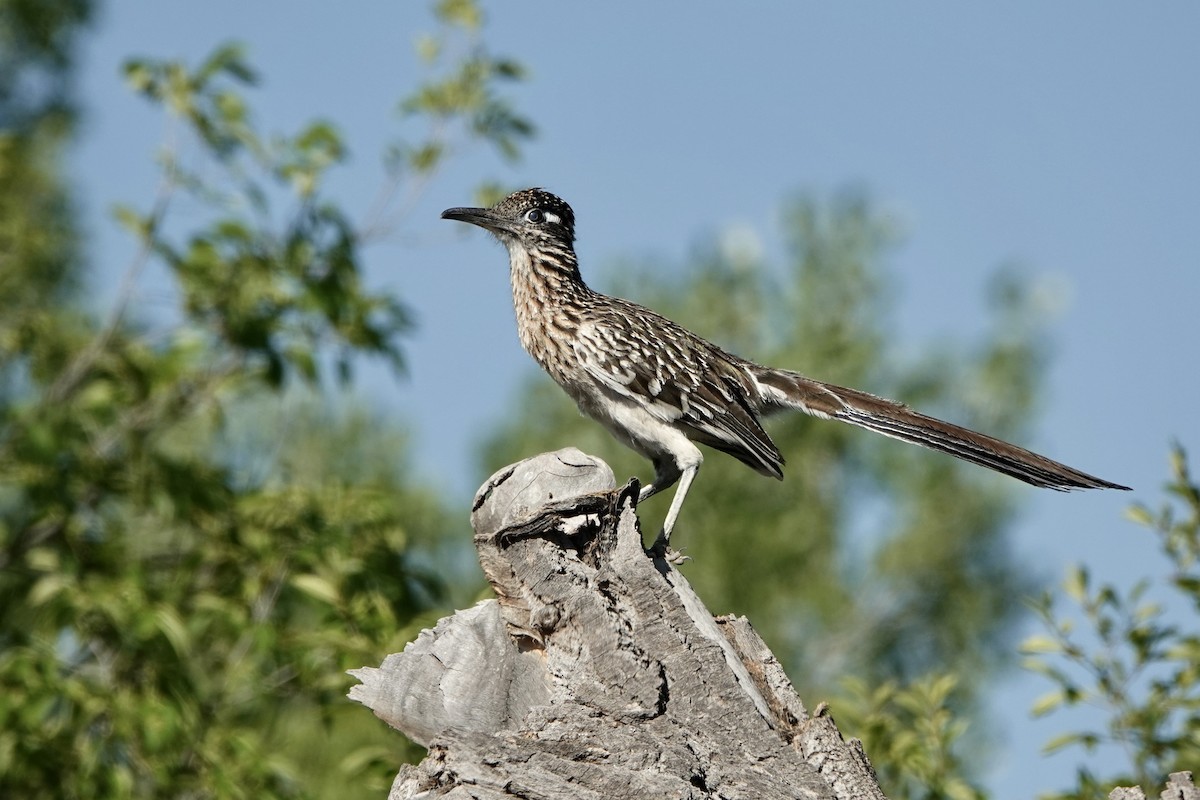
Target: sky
point(1060, 136)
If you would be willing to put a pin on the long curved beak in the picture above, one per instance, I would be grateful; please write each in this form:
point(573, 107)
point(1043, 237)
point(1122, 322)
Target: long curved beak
point(483, 217)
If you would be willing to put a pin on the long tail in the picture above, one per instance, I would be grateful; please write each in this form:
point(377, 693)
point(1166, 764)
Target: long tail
point(783, 389)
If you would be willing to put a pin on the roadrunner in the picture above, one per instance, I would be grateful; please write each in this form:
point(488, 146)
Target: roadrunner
point(660, 388)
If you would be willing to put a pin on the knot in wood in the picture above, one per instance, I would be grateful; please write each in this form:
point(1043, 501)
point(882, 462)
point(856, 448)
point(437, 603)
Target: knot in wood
point(544, 619)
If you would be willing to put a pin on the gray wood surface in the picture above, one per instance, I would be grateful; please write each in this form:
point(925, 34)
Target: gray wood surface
point(597, 672)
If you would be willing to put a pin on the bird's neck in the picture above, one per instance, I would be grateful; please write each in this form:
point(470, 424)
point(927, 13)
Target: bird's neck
point(547, 294)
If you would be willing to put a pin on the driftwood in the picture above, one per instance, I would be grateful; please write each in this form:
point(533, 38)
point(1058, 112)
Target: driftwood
point(598, 673)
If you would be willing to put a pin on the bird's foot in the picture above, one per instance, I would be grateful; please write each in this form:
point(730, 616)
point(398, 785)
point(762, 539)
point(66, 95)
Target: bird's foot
point(660, 549)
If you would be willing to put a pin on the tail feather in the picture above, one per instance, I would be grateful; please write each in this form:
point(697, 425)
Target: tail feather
point(783, 389)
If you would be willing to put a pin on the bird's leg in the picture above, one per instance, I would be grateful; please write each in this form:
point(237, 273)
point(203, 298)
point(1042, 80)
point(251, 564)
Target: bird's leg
point(685, 483)
point(666, 472)
point(664, 536)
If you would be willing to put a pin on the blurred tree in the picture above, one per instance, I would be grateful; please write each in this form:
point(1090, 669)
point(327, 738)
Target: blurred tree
point(38, 237)
point(193, 545)
point(1123, 654)
point(912, 735)
point(873, 558)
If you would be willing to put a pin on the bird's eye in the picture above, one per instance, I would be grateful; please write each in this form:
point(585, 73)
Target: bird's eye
point(535, 215)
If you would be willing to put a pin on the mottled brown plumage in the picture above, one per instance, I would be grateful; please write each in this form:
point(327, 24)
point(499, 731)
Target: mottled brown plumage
point(658, 387)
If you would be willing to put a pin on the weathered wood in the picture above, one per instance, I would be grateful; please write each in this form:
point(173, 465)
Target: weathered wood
point(597, 672)
point(1127, 793)
point(466, 674)
point(1179, 787)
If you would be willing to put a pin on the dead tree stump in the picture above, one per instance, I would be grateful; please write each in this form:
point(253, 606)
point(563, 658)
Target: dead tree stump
point(597, 672)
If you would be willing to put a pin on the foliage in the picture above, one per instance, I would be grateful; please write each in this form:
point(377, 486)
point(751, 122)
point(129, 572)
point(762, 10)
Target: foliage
point(264, 300)
point(873, 558)
point(37, 53)
point(38, 240)
point(912, 735)
point(193, 546)
point(1127, 660)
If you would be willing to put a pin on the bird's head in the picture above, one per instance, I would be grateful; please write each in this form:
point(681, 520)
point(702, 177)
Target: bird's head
point(530, 218)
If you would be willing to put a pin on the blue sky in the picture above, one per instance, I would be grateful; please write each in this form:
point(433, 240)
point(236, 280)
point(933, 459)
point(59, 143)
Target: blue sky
point(1061, 136)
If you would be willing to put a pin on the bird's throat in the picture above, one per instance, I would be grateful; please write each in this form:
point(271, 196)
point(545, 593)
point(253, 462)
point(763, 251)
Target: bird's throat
point(546, 299)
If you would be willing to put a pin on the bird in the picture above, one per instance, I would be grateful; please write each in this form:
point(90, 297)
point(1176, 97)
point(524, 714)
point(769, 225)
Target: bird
point(661, 389)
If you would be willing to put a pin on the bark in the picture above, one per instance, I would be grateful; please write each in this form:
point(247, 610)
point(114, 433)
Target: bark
point(1179, 787)
point(597, 672)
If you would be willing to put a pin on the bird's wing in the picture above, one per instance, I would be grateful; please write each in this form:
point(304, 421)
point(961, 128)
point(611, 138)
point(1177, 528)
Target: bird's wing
point(681, 379)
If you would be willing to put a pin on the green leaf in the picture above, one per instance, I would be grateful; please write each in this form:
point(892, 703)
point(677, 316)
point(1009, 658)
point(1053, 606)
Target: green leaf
point(1076, 583)
point(464, 13)
point(139, 74)
point(317, 588)
point(1141, 515)
point(47, 588)
point(1064, 740)
point(228, 58)
point(1041, 644)
point(1047, 702)
point(173, 629)
point(132, 221)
